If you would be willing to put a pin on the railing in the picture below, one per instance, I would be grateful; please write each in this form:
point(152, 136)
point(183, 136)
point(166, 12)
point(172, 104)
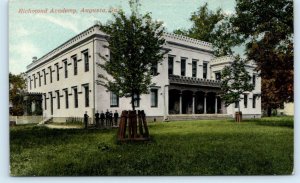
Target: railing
point(174, 79)
point(187, 39)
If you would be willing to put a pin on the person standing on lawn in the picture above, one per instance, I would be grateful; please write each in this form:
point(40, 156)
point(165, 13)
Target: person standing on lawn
point(116, 117)
point(102, 118)
point(97, 117)
point(107, 118)
point(111, 118)
point(85, 119)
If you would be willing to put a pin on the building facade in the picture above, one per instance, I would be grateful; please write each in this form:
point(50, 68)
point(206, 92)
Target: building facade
point(187, 81)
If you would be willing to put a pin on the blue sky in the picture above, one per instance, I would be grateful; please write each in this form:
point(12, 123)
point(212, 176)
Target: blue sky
point(36, 34)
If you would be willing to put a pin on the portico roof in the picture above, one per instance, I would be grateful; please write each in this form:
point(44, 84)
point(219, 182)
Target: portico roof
point(174, 79)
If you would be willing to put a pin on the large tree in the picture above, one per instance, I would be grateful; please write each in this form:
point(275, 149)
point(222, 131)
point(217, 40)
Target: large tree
point(204, 21)
point(17, 85)
point(267, 28)
point(136, 45)
point(235, 81)
point(214, 27)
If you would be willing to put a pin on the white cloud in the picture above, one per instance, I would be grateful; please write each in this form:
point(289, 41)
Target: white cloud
point(62, 22)
point(20, 55)
point(22, 32)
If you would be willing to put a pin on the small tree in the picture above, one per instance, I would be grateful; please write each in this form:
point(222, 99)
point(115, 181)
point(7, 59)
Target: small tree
point(235, 81)
point(135, 44)
point(17, 85)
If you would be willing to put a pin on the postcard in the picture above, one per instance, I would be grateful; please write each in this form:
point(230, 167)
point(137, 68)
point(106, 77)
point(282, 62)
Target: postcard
point(151, 88)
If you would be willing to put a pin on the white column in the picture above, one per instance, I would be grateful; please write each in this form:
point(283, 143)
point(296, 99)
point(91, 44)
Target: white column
point(180, 102)
point(166, 110)
point(193, 111)
point(216, 104)
point(204, 105)
point(33, 106)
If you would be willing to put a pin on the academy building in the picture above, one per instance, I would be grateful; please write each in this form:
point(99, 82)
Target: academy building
point(187, 81)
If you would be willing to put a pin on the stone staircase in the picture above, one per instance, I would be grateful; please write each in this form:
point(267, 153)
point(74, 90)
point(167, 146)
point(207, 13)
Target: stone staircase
point(46, 121)
point(185, 117)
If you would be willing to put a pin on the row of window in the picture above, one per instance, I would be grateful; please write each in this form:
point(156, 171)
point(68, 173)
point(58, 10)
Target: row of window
point(218, 77)
point(246, 101)
point(65, 95)
point(114, 99)
point(44, 72)
point(194, 69)
point(183, 67)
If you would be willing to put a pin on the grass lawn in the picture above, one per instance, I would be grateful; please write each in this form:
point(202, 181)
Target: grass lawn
point(204, 147)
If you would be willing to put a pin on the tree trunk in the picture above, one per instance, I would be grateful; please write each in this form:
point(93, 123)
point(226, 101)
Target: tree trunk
point(132, 101)
point(269, 111)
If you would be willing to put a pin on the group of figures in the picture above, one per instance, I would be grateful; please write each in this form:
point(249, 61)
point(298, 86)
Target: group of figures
point(107, 119)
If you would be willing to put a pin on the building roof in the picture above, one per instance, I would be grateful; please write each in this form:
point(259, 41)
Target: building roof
point(95, 31)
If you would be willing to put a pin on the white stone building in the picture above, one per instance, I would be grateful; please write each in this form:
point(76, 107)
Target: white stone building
point(186, 85)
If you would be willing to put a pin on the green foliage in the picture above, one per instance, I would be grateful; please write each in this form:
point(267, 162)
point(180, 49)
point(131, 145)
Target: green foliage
point(203, 23)
point(235, 81)
point(177, 148)
point(135, 45)
point(17, 85)
point(224, 38)
point(267, 28)
point(214, 27)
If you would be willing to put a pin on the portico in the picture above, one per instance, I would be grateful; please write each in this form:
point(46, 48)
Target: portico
point(194, 96)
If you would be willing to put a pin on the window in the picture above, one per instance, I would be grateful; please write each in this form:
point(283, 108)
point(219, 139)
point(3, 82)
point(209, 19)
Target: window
point(205, 70)
point(194, 68)
point(154, 98)
point(57, 71)
point(114, 100)
point(66, 68)
point(245, 100)
point(45, 78)
point(86, 61)
point(45, 101)
point(254, 80)
point(154, 69)
point(136, 100)
point(183, 66)
point(75, 97)
point(236, 104)
point(51, 102)
point(87, 96)
point(67, 98)
point(58, 99)
point(254, 101)
point(218, 76)
point(50, 71)
point(39, 74)
point(34, 82)
point(170, 65)
point(75, 65)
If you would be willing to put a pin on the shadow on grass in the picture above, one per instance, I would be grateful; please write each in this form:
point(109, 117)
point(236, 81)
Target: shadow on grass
point(179, 148)
point(285, 121)
point(30, 136)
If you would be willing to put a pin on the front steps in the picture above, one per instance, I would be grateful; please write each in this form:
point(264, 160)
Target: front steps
point(185, 117)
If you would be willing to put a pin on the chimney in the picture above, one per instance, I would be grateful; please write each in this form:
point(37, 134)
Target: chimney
point(97, 22)
point(34, 59)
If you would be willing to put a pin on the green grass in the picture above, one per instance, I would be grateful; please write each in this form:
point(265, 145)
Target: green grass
point(206, 147)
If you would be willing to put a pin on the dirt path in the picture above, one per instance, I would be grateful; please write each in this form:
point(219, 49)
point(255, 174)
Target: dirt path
point(62, 126)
